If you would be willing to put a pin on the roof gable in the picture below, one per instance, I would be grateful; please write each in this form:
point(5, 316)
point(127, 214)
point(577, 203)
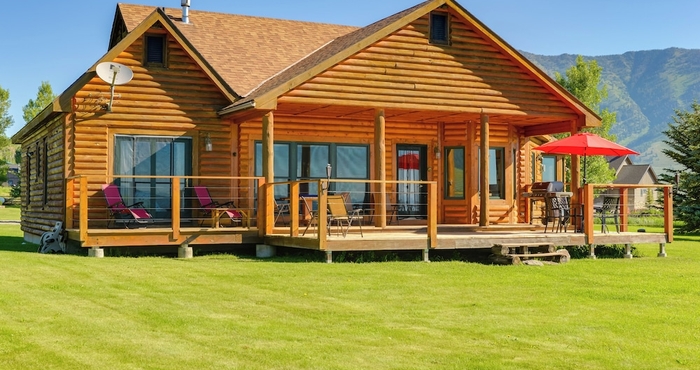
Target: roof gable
point(244, 50)
point(344, 47)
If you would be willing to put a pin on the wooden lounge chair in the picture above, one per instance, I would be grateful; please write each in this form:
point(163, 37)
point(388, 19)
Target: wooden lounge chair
point(214, 210)
point(134, 214)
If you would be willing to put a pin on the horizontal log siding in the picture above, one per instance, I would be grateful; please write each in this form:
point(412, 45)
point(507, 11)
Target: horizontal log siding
point(405, 71)
point(180, 100)
point(39, 216)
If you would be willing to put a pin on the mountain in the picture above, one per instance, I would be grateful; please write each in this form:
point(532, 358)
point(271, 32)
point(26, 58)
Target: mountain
point(644, 88)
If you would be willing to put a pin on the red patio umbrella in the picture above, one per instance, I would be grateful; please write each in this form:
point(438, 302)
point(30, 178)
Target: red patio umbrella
point(585, 144)
point(409, 161)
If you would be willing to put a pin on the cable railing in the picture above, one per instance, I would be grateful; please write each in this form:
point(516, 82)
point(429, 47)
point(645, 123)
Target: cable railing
point(174, 202)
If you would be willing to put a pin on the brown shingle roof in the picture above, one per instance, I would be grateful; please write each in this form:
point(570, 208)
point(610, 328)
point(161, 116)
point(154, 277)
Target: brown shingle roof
point(244, 50)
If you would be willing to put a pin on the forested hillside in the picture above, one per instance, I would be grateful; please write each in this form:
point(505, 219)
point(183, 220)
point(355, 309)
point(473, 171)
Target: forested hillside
point(644, 87)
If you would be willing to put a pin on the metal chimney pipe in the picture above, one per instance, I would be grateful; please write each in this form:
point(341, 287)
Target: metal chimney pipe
point(185, 11)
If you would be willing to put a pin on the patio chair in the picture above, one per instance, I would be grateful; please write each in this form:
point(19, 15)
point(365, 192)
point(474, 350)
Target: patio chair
point(120, 212)
point(281, 208)
point(338, 214)
point(313, 215)
point(552, 214)
point(215, 210)
point(355, 211)
point(610, 210)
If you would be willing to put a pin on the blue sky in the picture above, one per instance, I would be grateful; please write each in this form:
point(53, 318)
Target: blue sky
point(57, 41)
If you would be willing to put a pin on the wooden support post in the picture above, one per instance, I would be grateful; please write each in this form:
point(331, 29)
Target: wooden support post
point(588, 213)
point(624, 209)
point(380, 168)
point(668, 214)
point(294, 209)
point(268, 164)
point(575, 169)
point(432, 215)
point(83, 209)
point(322, 216)
point(175, 199)
point(484, 173)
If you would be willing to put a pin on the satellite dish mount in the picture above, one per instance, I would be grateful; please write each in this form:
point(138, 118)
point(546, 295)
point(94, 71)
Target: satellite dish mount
point(114, 74)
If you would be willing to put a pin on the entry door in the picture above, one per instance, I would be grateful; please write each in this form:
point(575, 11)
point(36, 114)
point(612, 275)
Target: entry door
point(412, 165)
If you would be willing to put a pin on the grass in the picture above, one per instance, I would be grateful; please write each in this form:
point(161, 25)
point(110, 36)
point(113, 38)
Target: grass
point(10, 213)
point(227, 311)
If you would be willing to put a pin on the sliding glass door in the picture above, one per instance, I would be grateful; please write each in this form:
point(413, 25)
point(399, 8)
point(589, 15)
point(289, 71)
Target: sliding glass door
point(152, 156)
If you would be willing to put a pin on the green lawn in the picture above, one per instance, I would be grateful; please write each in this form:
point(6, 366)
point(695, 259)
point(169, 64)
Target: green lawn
point(229, 312)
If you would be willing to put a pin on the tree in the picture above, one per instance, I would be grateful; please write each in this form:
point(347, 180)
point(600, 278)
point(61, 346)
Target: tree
point(582, 80)
point(684, 148)
point(5, 118)
point(44, 97)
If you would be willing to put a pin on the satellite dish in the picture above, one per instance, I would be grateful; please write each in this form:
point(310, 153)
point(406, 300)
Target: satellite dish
point(114, 74)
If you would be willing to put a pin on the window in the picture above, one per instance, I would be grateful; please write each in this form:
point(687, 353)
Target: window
point(45, 172)
point(152, 156)
point(439, 28)
point(454, 173)
point(497, 173)
point(549, 168)
point(155, 50)
point(295, 161)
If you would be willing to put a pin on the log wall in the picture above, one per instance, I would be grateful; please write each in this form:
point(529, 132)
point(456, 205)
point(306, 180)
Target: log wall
point(404, 70)
point(178, 100)
point(46, 201)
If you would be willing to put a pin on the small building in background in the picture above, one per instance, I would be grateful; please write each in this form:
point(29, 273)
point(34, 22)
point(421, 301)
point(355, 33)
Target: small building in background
point(628, 173)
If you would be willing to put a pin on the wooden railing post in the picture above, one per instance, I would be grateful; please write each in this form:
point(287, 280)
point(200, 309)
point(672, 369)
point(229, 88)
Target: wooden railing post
point(260, 218)
point(432, 215)
point(624, 209)
point(70, 202)
point(322, 215)
point(83, 227)
point(668, 213)
point(175, 200)
point(588, 212)
point(294, 209)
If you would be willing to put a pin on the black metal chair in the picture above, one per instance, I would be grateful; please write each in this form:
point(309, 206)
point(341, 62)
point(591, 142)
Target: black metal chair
point(610, 210)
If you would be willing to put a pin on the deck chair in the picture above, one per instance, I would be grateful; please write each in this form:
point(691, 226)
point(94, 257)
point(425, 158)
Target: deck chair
point(208, 206)
point(552, 214)
point(610, 210)
point(338, 214)
point(281, 208)
point(134, 214)
point(312, 214)
point(354, 211)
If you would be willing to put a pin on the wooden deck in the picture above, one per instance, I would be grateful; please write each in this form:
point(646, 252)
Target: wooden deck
point(453, 237)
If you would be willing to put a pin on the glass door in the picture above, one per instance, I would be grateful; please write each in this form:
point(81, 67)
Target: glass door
point(153, 156)
point(412, 165)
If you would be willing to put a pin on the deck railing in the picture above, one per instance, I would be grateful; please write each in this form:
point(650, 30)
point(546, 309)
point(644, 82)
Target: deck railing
point(85, 199)
point(587, 198)
point(374, 204)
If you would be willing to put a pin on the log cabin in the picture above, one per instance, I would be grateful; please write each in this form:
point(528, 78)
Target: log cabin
point(424, 109)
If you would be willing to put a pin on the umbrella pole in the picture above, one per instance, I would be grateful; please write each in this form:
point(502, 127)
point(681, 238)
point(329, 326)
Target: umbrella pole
point(584, 169)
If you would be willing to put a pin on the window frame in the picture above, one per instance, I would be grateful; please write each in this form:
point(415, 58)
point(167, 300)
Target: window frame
point(164, 55)
point(431, 34)
point(447, 178)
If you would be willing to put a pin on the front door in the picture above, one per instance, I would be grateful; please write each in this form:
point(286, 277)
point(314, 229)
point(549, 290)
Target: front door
point(412, 165)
